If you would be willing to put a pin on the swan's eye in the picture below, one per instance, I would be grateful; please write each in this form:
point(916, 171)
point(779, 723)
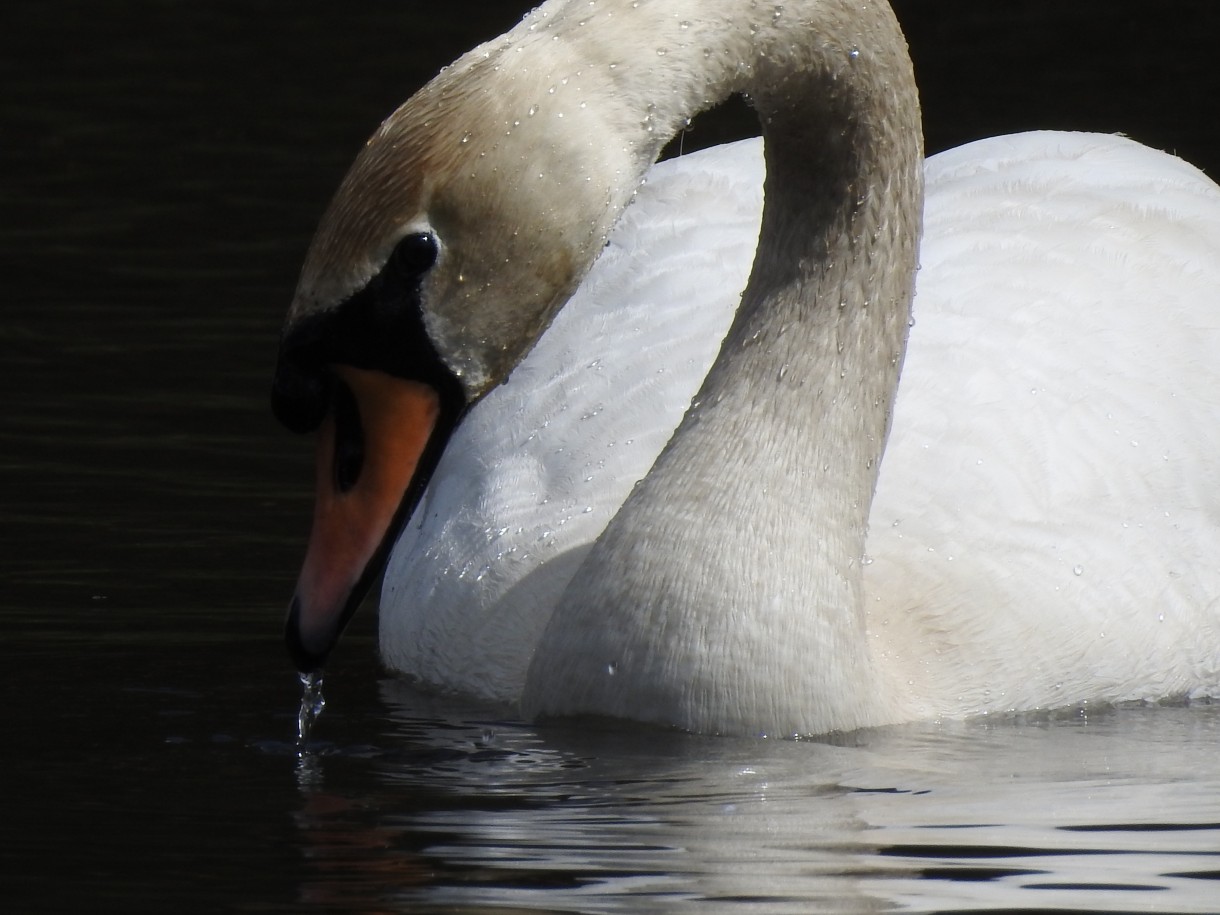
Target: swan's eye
point(416, 253)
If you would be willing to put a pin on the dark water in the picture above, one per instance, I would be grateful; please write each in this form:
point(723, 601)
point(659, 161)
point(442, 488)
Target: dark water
point(162, 168)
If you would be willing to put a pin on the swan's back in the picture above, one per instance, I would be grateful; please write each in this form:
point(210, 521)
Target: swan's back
point(1046, 519)
point(1048, 512)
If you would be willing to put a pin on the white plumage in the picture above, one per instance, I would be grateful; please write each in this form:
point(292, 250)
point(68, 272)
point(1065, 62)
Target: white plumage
point(679, 507)
point(1046, 524)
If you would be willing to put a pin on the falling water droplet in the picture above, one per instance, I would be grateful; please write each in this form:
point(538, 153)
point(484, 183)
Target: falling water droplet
point(1078, 570)
point(312, 703)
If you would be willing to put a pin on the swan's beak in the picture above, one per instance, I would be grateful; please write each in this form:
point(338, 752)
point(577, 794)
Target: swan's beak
point(371, 446)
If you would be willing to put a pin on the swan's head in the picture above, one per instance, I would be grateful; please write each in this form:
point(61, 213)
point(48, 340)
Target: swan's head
point(465, 222)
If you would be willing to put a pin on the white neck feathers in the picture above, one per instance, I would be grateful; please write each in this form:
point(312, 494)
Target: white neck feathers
point(740, 554)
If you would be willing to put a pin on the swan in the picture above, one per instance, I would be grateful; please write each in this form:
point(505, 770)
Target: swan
point(657, 496)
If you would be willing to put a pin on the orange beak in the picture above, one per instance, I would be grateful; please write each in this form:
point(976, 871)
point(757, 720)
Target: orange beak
point(370, 449)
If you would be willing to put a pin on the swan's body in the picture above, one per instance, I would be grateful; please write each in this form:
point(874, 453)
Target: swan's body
point(1041, 532)
point(1046, 525)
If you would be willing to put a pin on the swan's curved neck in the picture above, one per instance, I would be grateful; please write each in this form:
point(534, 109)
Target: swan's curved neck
point(729, 588)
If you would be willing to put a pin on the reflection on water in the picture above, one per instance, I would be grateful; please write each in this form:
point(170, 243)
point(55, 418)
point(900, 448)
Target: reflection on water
point(1106, 812)
point(163, 168)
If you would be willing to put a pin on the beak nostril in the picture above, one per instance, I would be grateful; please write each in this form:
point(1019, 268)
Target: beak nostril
point(349, 439)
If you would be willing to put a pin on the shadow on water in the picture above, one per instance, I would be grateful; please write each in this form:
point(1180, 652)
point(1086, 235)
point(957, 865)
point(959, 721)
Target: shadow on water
point(164, 166)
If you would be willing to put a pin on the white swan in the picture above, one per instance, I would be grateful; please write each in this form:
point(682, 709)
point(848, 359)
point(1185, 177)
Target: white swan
point(1045, 528)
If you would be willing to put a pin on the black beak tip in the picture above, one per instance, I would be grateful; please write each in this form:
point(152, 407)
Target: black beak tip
point(306, 659)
